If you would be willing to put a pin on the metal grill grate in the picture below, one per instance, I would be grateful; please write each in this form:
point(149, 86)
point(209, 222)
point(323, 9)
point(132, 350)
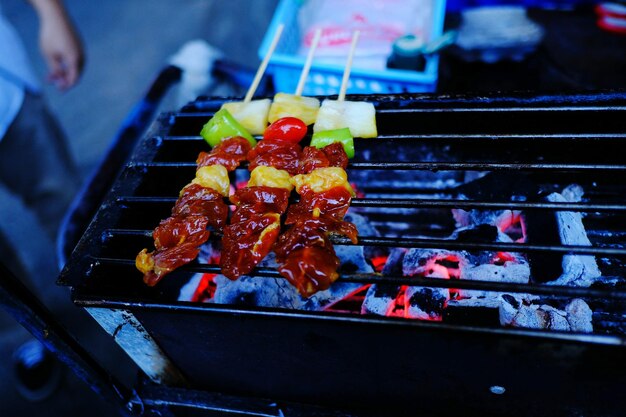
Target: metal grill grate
point(343, 360)
point(542, 139)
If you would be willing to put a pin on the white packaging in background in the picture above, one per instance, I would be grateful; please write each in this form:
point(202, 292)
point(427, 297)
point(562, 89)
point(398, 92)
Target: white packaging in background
point(380, 22)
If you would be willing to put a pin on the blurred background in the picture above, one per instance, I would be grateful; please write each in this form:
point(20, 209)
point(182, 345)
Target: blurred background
point(535, 46)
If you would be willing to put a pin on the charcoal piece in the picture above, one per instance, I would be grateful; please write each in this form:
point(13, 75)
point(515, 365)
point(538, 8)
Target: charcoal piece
point(425, 303)
point(352, 259)
point(579, 316)
point(256, 292)
point(380, 299)
point(393, 266)
point(529, 317)
point(560, 228)
point(513, 271)
point(520, 312)
point(276, 292)
point(555, 319)
point(426, 262)
point(481, 233)
point(510, 305)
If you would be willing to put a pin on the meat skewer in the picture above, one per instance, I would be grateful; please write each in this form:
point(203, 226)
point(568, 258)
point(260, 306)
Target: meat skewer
point(255, 225)
point(305, 253)
point(178, 238)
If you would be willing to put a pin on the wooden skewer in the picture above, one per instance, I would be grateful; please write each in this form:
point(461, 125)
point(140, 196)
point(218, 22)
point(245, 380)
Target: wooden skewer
point(263, 66)
point(346, 71)
point(307, 64)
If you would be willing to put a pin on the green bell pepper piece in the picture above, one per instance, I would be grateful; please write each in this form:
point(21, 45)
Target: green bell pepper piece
point(326, 137)
point(223, 125)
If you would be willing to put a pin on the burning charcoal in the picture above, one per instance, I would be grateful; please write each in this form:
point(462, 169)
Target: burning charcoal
point(380, 300)
point(517, 271)
point(275, 292)
point(561, 228)
point(501, 219)
point(256, 291)
point(579, 316)
point(426, 262)
point(393, 266)
point(492, 187)
point(352, 260)
point(425, 303)
point(188, 290)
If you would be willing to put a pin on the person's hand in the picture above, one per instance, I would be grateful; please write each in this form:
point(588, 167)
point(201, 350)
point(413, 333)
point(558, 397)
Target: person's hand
point(59, 43)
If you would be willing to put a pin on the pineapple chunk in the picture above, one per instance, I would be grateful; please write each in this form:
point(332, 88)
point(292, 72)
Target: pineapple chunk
point(270, 177)
point(214, 177)
point(322, 179)
point(358, 116)
point(251, 115)
point(289, 105)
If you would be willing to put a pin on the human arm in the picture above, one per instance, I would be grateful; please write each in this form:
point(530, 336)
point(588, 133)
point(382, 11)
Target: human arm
point(59, 42)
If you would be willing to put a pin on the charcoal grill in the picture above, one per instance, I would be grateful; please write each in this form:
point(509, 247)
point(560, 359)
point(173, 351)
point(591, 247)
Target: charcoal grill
point(253, 360)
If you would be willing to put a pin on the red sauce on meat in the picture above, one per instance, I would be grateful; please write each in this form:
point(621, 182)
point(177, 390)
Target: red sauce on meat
point(177, 239)
point(312, 158)
point(196, 199)
point(178, 230)
point(277, 154)
point(311, 269)
point(247, 239)
point(336, 155)
point(332, 203)
point(167, 260)
point(305, 252)
point(229, 153)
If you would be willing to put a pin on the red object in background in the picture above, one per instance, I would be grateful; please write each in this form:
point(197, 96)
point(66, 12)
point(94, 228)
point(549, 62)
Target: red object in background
point(612, 17)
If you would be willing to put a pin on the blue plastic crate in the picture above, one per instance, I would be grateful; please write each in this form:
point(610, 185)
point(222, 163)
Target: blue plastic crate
point(286, 65)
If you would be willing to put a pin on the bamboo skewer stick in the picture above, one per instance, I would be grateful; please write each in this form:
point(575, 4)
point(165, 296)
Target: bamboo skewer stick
point(307, 64)
point(346, 71)
point(263, 66)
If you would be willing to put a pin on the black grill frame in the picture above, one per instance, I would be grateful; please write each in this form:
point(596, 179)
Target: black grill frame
point(555, 354)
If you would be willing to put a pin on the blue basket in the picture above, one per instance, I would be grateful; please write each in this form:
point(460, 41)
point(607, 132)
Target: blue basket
point(285, 65)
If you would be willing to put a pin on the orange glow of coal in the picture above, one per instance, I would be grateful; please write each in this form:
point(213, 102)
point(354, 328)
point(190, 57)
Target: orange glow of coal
point(379, 262)
point(205, 289)
point(501, 258)
point(345, 305)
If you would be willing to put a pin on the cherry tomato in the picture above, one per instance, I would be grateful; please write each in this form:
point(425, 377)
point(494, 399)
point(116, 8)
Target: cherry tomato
point(288, 129)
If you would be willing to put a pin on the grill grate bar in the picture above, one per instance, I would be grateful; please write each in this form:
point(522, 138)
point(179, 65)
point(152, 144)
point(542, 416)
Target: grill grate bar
point(435, 136)
point(436, 203)
point(459, 109)
point(432, 282)
point(438, 243)
point(434, 166)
